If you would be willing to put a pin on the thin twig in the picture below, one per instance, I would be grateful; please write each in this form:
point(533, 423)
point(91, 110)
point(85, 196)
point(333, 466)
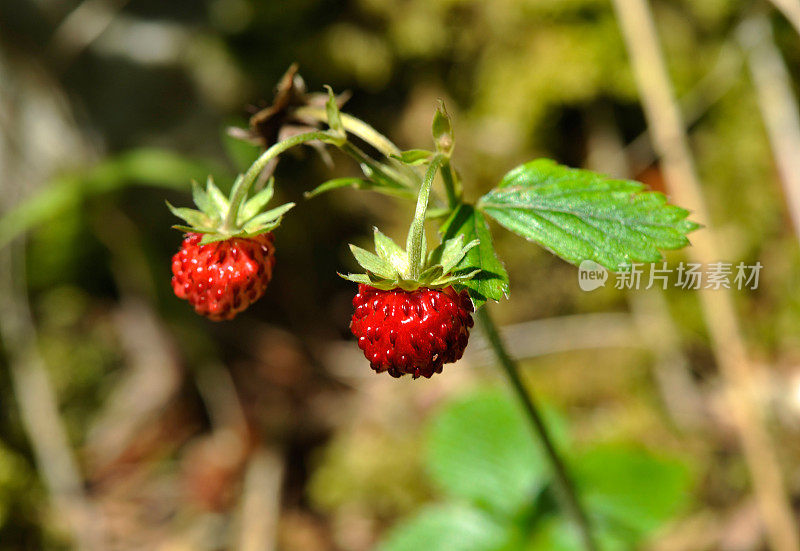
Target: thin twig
point(737, 372)
point(260, 505)
point(564, 487)
point(38, 407)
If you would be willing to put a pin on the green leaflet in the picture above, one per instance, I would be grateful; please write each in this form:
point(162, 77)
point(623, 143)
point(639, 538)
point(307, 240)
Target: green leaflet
point(580, 215)
point(451, 527)
point(483, 459)
point(491, 283)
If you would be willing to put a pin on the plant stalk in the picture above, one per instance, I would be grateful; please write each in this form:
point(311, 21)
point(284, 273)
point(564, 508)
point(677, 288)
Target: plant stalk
point(243, 184)
point(356, 127)
point(417, 232)
point(450, 185)
point(564, 487)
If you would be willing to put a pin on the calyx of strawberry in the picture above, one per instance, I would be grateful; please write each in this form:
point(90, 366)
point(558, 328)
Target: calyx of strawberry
point(391, 266)
point(219, 218)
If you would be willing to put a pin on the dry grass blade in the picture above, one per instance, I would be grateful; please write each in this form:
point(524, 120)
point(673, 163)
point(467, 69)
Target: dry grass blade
point(737, 371)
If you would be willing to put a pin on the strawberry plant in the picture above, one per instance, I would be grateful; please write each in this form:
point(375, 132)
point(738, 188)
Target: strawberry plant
point(413, 308)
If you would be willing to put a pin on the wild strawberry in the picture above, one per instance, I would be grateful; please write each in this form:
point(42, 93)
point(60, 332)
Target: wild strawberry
point(223, 278)
point(414, 332)
point(226, 260)
point(409, 319)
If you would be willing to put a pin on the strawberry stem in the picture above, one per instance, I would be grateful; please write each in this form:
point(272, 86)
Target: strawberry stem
point(416, 233)
point(356, 127)
point(562, 483)
point(450, 185)
point(243, 184)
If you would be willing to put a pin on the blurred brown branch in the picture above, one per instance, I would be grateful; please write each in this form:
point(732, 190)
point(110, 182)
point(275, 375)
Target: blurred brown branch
point(778, 105)
point(791, 10)
point(737, 371)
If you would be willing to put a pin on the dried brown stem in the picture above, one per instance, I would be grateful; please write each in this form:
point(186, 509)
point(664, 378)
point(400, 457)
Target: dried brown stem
point(737, 372)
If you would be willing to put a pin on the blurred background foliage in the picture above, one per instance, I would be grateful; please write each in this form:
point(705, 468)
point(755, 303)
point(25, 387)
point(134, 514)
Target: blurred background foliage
point(183, 428)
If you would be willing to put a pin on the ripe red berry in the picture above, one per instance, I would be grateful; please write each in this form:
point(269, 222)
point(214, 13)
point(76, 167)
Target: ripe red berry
point(223, 278)
point(413, 332)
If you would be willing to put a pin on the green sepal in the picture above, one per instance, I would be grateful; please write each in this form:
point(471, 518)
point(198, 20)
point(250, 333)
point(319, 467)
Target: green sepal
point(334, 117)
point(209, 220)
point(266, 218)
point(257, 202)
point(192, 217)
point(388, 269)
point(442, 130)
point(432, 274)
point(213, 237)
point(201, 199)
point(390, 252)
point(356, 278)
point(218, 201)
point(372, 263)
point(190, 229)
point(450, 252)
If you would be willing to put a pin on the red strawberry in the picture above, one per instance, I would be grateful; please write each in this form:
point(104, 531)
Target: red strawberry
point(414, 332)
point(223, 278)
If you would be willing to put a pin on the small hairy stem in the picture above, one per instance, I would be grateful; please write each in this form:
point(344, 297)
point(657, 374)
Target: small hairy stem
point(417, 232)
point(564, 487)
point(365, 132)
point(243, 184)
point(453, 193)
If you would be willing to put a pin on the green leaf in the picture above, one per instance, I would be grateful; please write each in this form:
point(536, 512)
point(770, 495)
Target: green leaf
point(492, 282)
point(630, 487)
point(580, 215)
point(372, 263)
point(414, 157)
point(480, 448)
point(558, 534)
point(447, 528)
point(254, 205)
